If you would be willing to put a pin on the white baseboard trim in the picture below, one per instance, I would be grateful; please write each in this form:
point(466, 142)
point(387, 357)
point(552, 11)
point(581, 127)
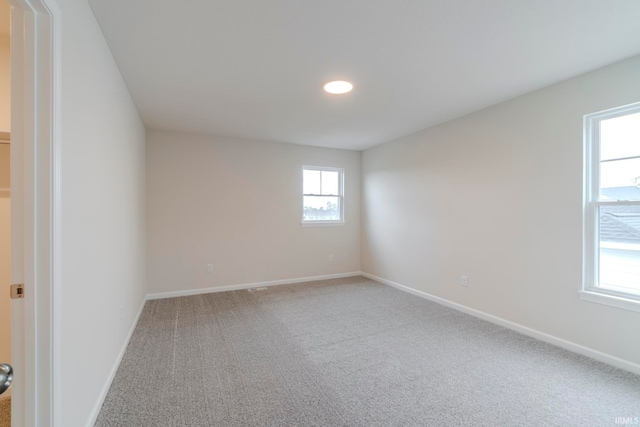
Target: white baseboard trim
point(559, 342)
point(105, 389)
point(174, 294)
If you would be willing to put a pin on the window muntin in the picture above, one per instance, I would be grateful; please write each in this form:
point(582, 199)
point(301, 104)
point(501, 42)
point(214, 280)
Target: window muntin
point(323, 195)
point(612, 203)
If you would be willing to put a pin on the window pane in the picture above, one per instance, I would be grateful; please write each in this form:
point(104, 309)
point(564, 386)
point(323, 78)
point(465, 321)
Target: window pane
point(330, 182)
point(620, 248)
point(620, 137)
point(620, 180)
point(321, 208)
point(310, 181)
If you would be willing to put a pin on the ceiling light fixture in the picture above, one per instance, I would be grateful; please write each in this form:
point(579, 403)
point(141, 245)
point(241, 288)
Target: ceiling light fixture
point(338, 87)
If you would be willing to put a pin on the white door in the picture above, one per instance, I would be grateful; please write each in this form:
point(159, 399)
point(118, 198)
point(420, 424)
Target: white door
point(35, 49)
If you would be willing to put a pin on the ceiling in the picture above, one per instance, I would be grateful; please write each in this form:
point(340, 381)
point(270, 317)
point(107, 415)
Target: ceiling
point(4, 18)
point(255, 69)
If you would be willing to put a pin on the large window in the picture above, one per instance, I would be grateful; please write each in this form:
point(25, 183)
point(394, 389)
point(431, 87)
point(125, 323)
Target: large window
point(322, 198)
point(612, 207)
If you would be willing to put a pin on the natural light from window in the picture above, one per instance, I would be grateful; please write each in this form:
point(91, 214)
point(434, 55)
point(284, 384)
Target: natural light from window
point(619, 225)
point(322, 195)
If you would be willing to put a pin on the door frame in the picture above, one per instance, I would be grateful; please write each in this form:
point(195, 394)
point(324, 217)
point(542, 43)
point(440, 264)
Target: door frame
point(35, 210)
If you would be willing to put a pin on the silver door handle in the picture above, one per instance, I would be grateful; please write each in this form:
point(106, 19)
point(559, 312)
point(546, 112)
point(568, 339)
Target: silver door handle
point(6, 376)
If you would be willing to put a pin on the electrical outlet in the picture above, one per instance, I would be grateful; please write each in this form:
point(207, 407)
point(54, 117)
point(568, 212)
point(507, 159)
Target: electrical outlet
point(330, 257)
point(209, 268)
point(464, 281)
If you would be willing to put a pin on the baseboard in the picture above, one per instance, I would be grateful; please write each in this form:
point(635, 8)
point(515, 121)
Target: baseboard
point(105, 389)
point(559, 342)
point(174, 294)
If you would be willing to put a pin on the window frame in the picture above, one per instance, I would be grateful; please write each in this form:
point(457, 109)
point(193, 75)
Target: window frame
point(340, 196)
point(591, 291)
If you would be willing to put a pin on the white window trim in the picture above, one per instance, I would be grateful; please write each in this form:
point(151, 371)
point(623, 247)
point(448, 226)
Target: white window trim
point(591, 204)
point(321, 223)
point(601, 297)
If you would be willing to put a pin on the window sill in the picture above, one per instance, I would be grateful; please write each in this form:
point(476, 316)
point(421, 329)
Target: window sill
point(614, 301)
point(322, 223)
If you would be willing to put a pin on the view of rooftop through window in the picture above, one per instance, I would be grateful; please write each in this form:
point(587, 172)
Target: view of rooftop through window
point(619, 224)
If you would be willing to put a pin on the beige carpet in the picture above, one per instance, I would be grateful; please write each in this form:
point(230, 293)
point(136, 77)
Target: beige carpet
point(5, 411)
point(350, 352)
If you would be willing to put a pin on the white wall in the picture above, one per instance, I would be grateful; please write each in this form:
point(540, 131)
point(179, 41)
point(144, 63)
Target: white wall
point(103, 214)
point(497, 195)
point(237, 204)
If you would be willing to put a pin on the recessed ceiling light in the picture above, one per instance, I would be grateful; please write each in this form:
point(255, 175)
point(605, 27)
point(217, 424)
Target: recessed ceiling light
point(338, 87)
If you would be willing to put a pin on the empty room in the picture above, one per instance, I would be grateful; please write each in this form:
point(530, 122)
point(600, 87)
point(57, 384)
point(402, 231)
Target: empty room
point(320, 213)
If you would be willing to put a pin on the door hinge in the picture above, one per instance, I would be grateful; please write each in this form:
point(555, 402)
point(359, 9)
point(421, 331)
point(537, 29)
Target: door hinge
point(17, 291)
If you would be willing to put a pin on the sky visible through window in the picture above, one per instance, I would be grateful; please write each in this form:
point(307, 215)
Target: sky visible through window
point(620, 157)
point(619, 227)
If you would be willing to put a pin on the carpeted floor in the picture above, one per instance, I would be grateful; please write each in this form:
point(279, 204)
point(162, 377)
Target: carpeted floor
point(5, 411)
point(350, 352)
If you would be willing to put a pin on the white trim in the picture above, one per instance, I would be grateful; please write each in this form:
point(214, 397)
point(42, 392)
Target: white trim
point(56, 212)
point(173, 294)
point(611, 113)
point(567, 345)
point(591, 243)
point(114, 369)
point(323, 168)
point(341, 173)
point(35, 129)
point(321, 223)
point(612, 300)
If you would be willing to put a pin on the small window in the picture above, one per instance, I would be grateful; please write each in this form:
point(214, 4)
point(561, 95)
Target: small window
point(322, 195)
point(612, 207)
